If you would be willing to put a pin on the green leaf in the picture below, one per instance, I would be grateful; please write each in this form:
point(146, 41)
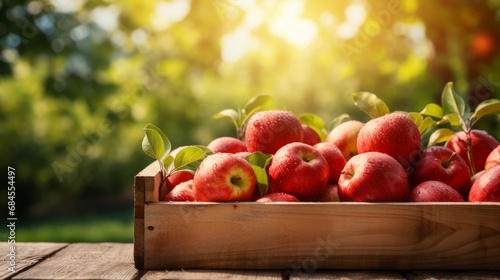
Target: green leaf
point(259, 159)
point(454, 103)
point(416, 117)
point(168, 163)
point(315, 122)
point(452, 118)
point(258, 103)
point(370, 104)
point(262, 180)
point(432, 110)
point(228, 113)
point(337, 120)
point(422, 123)
point(259, 163)
point(440, 136)
point(155, 142)
point(205, 149)
point(487, 107)
point(427, 123)
point(189, 158)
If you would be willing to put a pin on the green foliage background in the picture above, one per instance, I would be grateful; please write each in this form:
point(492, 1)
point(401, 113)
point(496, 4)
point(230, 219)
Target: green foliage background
point(80, 79)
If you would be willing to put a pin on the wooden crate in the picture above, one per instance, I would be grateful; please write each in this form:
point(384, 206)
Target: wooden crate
point(304, 237)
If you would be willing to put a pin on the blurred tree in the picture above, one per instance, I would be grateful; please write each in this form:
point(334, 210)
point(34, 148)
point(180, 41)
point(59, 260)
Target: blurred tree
point(80, 79)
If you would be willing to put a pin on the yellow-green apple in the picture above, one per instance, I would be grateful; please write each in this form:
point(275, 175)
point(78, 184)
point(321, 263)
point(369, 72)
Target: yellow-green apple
point(487, 186)
point(278, 197)
point(310, 136)
point(493, 158)
point(182, 192)
point(330, 194)
point(482, 144)
point(434, 191)
point(373, 177)
point(345, 136)
point(267, 131)
point(395, 134)
point(224, 177)
point(226, 144)
point(300, 170)
point(441, 164)
point(335, 159)
point(173, 180)
point(475, 176)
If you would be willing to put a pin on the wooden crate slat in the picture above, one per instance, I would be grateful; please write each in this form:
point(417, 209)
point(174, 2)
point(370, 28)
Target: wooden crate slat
point(146, 183)
point(322, 236)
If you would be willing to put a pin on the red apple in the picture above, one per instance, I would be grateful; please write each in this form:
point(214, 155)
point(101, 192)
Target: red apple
point(278, 197)
point(173, 180)
point(330, 194)
point(482, 144)
point(487, 186)
point(441, 164)
point(335, 159)
point(493, 158)
point(182, 192)
point(345, 136)
point(395, 134)
point(243, 154)
point(227, 144)
point(373, 177)
point(434, 191)
point(224, 177)
point(300, 170)
point(267, 131)
point(310, 136)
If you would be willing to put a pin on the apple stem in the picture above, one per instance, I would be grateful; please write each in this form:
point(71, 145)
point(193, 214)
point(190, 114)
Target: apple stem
point(450, 158)
point(469, 152)
point(349, 175)
point(162, 170)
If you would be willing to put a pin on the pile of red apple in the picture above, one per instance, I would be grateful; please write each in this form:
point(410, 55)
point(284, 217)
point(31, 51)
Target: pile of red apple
point(278, 156)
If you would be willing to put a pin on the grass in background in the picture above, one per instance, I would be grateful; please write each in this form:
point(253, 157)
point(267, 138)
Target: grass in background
point(91, 227)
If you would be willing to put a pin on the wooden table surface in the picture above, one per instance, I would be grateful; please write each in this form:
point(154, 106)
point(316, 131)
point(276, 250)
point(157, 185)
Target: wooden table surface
point(115, 261)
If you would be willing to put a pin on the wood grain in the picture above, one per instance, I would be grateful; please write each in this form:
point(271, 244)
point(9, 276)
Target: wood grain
point(146, 184)
point(213, 274)
point(86, 261)
point(27, 255)
point(347, 275)
point(469, 275)
point(309, 236)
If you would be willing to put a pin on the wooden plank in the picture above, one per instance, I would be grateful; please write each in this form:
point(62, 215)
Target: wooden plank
point(86, 261)
point(147, 181)
point(344, 274)
point(310, 236)
point(465, 275)
point(27, 254)
point(213, 274)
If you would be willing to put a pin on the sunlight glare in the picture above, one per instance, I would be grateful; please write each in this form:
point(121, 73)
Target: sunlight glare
point(67, 6)
point(236, 44)
point(105, 17)
point(355, 15)
point(291, 27)
point(170, 12)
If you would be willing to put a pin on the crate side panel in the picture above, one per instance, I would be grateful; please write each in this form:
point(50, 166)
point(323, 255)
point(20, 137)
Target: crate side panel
point(321, 235)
